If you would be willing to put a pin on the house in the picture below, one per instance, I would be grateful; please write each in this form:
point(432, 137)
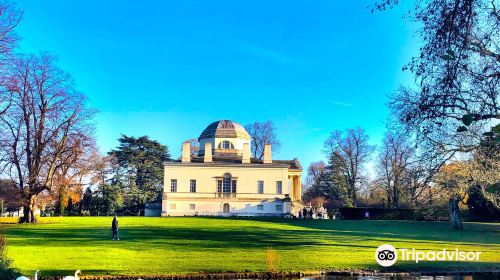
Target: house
point(223, 179)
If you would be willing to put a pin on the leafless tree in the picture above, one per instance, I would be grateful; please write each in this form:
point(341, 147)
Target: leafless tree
point(347, 152)
point(394, 160)
point(195, 146)
point(455, 99)
point(262, 133)
point(44, 127)
point(9, 19)
point(315, 172)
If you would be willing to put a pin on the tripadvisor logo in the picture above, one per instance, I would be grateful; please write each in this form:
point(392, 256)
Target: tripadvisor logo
point(387, 255)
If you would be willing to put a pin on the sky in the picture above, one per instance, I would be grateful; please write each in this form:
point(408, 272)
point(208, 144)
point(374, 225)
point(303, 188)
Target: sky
point(167, 69)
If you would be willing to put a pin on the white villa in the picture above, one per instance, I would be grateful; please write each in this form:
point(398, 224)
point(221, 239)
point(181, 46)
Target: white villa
point(223, 179)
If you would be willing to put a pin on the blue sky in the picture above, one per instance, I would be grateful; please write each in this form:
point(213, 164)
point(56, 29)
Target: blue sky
point(167, 69)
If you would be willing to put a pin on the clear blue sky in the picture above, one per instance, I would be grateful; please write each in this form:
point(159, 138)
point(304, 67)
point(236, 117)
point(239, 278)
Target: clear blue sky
point(169, 68)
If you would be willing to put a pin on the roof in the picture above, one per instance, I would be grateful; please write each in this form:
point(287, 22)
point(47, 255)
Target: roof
point(224, 129)
point(236, 162)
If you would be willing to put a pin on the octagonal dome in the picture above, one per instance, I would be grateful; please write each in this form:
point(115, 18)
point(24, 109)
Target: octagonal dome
point(224, 129)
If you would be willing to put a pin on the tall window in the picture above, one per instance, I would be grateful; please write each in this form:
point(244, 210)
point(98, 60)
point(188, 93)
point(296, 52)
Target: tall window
point(279, 208)
point(226, 184)
point(219, 186)
point(192, 206)
point(260, 186)
point(260, 207)
point(173, 185)
point(279, 187)
point(226, 145)
point(192, 185)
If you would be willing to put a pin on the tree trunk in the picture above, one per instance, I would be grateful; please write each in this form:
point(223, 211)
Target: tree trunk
point(29, 211)
point(455, 216)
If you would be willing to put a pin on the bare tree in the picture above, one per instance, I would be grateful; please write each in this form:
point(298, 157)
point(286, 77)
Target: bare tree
point(9, 19)
point(315, 172)
point(347, 152)
point(457, 72)
point(262, 133)
point(394, 160)
point(195, 146)
point(39, 132)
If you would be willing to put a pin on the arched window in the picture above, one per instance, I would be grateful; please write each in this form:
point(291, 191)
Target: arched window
point(226, 145)
point(225, 208)
point(227, 185)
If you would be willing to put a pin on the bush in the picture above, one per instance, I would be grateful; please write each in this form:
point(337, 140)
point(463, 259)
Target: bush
point(358, 213)
point(6, 272)
point(272, 259)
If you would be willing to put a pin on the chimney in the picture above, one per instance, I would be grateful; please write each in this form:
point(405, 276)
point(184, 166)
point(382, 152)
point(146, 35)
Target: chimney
point(267, 154)
point(208, 152)
point(246, 153)
point(186, 151)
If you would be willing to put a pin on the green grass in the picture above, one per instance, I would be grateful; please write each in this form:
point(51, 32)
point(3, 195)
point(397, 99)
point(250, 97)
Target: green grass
point(59, 246)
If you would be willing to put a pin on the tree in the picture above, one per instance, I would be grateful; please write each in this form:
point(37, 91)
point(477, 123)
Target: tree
point(457, 73)
point(394, 161)
point(195, 146)
point(140, 167)
point(262, 133)
point(314, 173)
point(9, 19)
point(347, 152)
point(39, 129)
point(106, 201)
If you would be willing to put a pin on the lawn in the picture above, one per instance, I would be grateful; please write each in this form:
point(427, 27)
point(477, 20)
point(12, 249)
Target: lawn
point(188, 245)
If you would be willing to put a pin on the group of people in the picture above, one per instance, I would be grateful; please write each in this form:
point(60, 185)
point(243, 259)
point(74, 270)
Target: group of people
point(310, 212)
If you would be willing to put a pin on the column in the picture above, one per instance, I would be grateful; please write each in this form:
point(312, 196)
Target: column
point(298, 191)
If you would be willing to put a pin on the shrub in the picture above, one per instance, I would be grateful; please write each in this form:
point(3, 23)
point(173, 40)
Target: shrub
point(272, 259)
point(6, 272)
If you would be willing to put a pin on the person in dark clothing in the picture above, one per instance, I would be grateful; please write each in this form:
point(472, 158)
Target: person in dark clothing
point(114, 228)
point(304, 213)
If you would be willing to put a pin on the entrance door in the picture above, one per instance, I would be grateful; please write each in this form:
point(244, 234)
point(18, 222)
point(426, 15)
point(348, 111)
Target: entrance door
point(225, 208)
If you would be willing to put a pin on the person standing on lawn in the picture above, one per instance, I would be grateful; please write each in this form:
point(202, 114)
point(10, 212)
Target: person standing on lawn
point(114, 228)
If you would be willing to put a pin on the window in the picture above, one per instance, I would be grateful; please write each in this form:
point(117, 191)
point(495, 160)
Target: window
point(233, 186)
point(219, 186)
point(260, 186)
point(172, 206)
point(173, 185)
point(192, 185)
point(279, 187)
point(192, 206)
point(279, 208)
point(226, 145)
point(226, 184)
point(260, 207)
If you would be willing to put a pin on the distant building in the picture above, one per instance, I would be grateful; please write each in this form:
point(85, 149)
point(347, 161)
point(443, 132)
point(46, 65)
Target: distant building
point(223, 179)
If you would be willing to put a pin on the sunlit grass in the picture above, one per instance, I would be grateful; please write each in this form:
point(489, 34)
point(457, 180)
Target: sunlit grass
point(189, 245)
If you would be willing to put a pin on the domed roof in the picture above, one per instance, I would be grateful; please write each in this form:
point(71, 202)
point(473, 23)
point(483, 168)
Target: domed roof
point(224, 129)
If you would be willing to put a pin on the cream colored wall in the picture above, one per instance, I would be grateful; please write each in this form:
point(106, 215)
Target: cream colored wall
point(206, 183)
point(207, 202)
point(214, 207)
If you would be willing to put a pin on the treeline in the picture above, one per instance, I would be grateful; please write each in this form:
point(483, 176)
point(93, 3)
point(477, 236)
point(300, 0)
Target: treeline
point(122, 182)
point(442, 145)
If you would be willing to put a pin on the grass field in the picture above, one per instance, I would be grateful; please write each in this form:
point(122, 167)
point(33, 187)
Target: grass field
point(188, 245)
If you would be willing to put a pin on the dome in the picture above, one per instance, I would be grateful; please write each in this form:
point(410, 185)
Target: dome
point(224, 129)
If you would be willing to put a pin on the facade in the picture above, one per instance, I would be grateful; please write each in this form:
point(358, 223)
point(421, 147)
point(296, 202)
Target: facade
point(223, 179)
